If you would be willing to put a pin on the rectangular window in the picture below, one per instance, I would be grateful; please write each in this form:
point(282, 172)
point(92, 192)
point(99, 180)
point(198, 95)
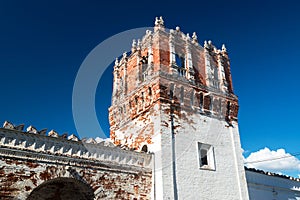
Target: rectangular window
point(207, 102)
point(206, 156)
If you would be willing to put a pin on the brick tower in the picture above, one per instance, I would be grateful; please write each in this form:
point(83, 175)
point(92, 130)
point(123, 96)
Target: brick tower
point(175, 98)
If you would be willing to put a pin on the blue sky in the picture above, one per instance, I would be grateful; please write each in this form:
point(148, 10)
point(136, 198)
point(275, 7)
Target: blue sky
point(42, 45)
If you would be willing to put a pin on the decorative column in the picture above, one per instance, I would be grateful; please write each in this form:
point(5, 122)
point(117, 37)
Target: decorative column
point(226, 67)
point(139, 70)
point(150, 60)
point(221, 71)
point(207, 62)
point(133, 46)
point(188, 59)
point(125, 74)
point(172, 52)
point(150, 55)
point(115, 84)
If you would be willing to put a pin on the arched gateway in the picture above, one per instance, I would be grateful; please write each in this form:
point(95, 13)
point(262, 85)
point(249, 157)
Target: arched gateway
point(62, 189)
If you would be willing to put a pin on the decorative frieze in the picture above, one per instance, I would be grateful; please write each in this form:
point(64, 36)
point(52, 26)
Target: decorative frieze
point(103, 151)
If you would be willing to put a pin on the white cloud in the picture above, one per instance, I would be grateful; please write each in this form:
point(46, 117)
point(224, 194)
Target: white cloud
point(275, 161)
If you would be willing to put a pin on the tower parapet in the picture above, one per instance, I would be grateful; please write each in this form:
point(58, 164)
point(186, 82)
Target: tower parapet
point(169, 62)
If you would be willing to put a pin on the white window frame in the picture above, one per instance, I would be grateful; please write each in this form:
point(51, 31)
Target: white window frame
point(210, 156)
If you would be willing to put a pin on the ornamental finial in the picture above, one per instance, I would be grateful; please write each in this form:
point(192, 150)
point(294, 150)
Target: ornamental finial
point(188, 36)
point(159, 21)
point(224, 48)
point(139, 45)
point(133, 43)
point(148, 32)
point(195, 38)
point(206, 44)
point(133, 46)
point(125, 54)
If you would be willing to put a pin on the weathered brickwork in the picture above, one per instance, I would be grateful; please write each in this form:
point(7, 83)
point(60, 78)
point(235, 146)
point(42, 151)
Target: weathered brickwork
point(20, 177)
point(166, 66)
point(33, 163)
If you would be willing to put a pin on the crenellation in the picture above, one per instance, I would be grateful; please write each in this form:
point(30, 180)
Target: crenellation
point(32, 129)
point(8, 125)
point(73, 137)
point(53, 133)
point(58, 145)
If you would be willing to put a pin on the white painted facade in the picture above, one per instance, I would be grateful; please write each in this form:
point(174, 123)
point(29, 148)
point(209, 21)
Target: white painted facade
point(271, 187)
point(182, 176)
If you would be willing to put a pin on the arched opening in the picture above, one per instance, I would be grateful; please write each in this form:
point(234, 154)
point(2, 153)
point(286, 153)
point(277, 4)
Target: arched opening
point(228, 108)
point(149, 91)
point(62, 189)
point(144, 148)
point(201, 101)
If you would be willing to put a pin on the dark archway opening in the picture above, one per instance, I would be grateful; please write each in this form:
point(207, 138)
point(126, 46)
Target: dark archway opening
point(62, 189)
point(145, 149)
